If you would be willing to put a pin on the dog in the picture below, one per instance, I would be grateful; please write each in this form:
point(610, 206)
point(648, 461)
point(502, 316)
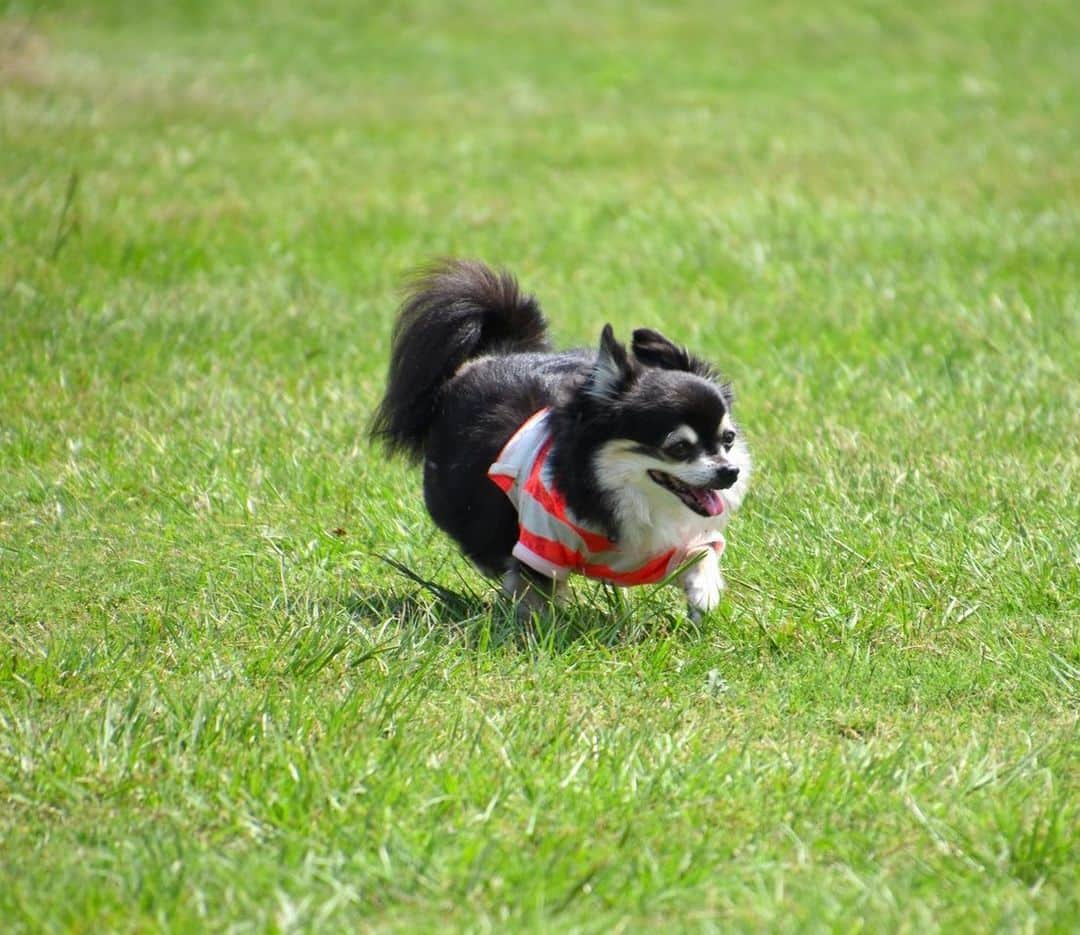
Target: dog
point(621, 464)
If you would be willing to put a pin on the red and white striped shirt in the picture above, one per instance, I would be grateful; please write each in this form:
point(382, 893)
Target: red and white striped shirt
point(550, 539)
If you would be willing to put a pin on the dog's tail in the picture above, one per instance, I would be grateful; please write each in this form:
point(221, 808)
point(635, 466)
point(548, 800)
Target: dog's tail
point(455, 311)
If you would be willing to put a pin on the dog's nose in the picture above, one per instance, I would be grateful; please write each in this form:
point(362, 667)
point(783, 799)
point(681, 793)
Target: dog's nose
point(726, 475)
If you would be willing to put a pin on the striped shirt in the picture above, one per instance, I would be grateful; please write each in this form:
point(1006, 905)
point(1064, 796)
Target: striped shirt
point(550, 539)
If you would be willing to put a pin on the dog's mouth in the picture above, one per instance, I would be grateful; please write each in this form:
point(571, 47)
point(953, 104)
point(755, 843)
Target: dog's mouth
point(702, 500)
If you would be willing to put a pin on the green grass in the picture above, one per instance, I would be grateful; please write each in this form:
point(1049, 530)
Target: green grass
point(221, 707)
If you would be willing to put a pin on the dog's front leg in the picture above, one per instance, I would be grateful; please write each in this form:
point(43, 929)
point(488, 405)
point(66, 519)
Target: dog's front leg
point(702, 583)
point(532, 591)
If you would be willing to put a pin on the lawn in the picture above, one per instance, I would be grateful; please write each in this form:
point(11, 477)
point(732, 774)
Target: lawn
point(244, 681)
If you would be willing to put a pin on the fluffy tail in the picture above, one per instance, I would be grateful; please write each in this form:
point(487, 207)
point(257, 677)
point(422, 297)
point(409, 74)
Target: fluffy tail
point(455, 311)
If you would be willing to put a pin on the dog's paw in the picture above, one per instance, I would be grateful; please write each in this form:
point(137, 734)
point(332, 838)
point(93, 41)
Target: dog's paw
point(703, 585)
point(531, 592)
point(702, 602)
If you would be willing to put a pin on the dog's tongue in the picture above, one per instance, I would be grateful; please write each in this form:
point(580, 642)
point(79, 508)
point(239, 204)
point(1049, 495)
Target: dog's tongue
point(711, 501)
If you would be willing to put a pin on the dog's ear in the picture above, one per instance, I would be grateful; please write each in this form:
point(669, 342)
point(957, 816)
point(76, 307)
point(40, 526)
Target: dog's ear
point(654, 350)
point(612, 373)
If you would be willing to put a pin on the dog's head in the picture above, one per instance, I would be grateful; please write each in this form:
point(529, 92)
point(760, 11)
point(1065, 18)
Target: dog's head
point(664, 437)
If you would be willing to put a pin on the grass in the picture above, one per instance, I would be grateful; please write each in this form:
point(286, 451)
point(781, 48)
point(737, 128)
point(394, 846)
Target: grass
point(244, 683)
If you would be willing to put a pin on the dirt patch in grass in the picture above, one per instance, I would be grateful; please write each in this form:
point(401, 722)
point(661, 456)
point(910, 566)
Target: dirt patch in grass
point(23, 52)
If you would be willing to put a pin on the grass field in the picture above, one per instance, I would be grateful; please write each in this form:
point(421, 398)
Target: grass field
point(222, 703)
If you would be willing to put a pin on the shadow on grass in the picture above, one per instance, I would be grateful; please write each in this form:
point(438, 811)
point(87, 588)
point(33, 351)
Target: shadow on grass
point(602, 615)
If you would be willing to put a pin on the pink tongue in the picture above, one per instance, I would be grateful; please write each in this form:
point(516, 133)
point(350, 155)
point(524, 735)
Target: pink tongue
point(712, 502)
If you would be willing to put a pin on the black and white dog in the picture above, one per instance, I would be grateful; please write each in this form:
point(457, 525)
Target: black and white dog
point(621, 465)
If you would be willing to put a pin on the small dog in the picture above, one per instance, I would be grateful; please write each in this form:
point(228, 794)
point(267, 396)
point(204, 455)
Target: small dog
point(623, 466)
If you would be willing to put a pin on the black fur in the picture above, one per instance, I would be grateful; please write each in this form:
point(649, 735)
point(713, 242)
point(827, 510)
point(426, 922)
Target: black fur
point(470, 364)
point(456, 310)
point(652, 348)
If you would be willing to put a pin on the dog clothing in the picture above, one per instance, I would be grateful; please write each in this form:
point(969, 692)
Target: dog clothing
point(550, 540)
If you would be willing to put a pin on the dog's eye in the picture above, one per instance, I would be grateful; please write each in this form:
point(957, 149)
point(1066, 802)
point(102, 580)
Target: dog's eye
point(727, 438)
point(679, 450)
